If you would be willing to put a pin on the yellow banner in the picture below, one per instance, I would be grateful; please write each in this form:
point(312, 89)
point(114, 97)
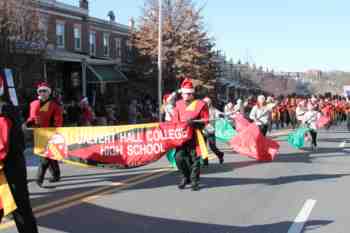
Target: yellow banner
point(121, 146)
point(7, 201)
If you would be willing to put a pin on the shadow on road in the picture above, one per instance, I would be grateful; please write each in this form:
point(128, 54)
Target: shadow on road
point(332, 139)
point(217, 182)
point(110, 221)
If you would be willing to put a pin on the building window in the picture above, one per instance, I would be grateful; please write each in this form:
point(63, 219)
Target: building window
point(106, 44)
point(118, 47)
point(60, 35)
point(77, 37)
point(92, 42)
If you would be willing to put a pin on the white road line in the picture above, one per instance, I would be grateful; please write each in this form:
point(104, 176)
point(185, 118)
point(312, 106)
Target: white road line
point(302, 217)
point(342, 144)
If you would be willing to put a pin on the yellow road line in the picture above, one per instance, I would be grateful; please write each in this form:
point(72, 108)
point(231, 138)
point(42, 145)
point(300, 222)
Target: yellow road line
point(88, 196)
point(94, 197)
point(52, 206)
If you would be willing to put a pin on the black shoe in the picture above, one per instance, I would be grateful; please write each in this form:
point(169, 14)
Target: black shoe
point(221, 158)
point(195, 186)
point(206, 162)
point(183, 183)
point(54, 179)
point(39, 183)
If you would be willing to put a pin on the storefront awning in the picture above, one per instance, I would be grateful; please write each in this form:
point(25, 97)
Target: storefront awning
point(66, 56)
point(104, 74)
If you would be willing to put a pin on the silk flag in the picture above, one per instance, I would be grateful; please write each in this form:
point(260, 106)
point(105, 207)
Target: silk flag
point(170, 155)
point(297, 138)
point(224, 130)
point(251, 142)
point(323, 121)
point(117, 146)
point(240, 122)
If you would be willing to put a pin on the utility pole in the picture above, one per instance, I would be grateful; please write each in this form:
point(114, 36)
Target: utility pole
point(160, 36)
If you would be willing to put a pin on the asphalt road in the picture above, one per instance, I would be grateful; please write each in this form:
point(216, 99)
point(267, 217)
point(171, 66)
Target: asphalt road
point(301, 191)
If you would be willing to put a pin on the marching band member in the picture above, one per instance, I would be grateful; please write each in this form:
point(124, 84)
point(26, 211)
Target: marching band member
point(310, 120)
point(210, 129)
point(189, 110)
point(260, 114)
point(13, 164)
point(44, 112)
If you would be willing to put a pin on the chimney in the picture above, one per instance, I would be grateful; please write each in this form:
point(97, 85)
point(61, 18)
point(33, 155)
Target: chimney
point(131, 23)
point(111, 16)
point(84, 4)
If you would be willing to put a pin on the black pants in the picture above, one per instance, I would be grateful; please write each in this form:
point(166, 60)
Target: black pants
point(212, 145)
point(263, 129)
point(53, 167)
point(16, 175)
point(293, 119)
point(313, 137)
point(187, 162)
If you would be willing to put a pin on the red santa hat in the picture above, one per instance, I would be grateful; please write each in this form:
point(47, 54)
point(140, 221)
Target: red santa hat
point(187, 86)
point(43, 86)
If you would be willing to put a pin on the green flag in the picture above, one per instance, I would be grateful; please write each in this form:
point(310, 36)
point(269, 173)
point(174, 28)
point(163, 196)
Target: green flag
point(171, 157)
point(296, 138)
point(224, 130)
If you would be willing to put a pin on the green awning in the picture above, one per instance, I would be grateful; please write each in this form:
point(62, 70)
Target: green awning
point(105, 74)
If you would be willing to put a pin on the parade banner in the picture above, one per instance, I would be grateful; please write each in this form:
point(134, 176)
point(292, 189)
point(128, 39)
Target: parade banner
point(117, 146)
point(346, 91)
point(7, 202)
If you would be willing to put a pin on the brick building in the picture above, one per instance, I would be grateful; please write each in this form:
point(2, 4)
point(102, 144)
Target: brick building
point(85, 55)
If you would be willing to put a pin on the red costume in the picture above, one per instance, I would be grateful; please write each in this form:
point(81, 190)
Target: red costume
point(189, 112)
point(45, 114)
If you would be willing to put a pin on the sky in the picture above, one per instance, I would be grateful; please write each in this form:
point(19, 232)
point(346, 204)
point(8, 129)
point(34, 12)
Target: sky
point(284, 35)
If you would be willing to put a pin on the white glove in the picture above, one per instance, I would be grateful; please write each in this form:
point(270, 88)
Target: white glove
point(24, 127)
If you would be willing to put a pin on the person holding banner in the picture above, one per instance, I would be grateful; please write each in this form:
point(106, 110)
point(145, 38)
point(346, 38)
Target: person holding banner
point(45, 112)
point(14, 195)
point(196, 114)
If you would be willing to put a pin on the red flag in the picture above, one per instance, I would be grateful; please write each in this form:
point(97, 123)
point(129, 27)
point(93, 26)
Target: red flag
point(240, 122)
point(324, 120)
point(253, 143)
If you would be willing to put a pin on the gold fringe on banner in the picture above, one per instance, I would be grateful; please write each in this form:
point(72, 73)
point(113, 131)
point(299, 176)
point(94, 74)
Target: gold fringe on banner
point(202, 144)
point(6, 198)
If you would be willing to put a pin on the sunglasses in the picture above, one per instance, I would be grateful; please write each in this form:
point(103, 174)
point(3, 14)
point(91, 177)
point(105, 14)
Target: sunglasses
point(43, 91)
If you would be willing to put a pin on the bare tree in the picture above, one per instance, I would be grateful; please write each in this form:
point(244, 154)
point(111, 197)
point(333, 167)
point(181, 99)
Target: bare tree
point(22, 39)
point(187, 48)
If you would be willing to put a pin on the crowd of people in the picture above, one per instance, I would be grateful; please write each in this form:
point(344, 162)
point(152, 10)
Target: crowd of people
point(180, 106)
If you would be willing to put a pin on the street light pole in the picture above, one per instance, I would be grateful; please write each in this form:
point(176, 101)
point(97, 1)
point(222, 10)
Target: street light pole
point(160, 33)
